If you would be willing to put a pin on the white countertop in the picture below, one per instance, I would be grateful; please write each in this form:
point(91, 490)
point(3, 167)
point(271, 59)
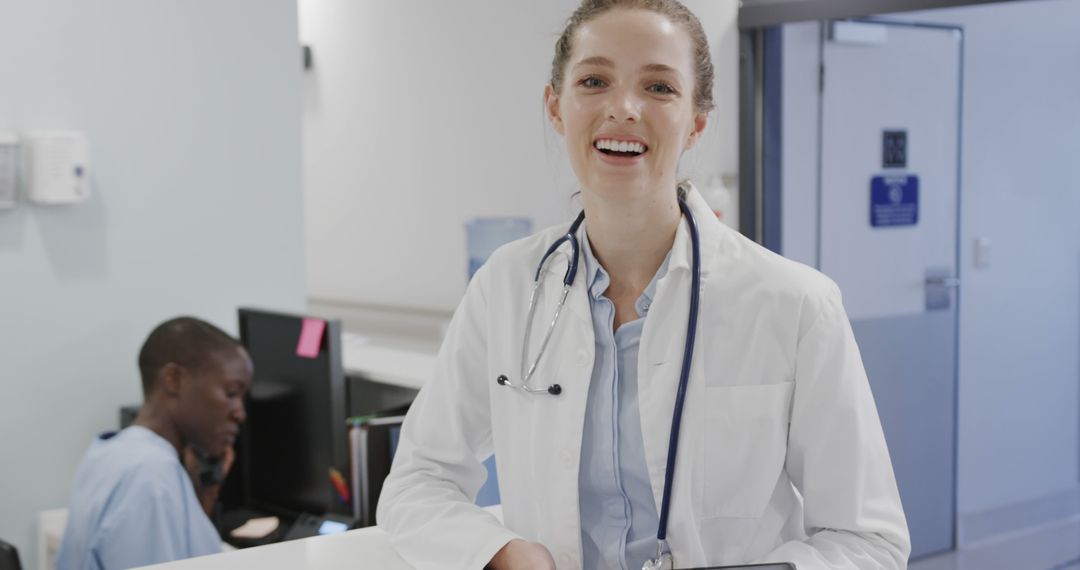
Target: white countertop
point(361, 548)
point(388, 362)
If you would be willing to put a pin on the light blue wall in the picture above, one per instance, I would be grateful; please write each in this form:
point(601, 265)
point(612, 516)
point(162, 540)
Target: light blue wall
point(1019, 317)
point(192, 110)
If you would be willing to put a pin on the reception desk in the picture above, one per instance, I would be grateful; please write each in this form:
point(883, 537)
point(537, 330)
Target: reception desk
point(361, 548)
point(408, 365)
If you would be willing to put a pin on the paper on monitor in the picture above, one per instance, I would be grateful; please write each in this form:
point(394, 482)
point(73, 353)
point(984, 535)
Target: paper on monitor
point(256, 528)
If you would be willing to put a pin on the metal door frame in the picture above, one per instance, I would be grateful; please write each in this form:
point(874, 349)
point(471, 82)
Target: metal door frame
point(764, 13)
point(759, 190)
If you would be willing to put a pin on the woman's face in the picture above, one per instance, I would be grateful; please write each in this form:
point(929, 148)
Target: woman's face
point(626, 104)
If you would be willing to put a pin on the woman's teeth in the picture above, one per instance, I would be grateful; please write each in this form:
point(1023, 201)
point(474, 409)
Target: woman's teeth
point(626, 148)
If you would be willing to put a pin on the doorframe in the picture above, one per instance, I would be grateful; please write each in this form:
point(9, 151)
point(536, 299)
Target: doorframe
point(756, 14)
point(759, 199)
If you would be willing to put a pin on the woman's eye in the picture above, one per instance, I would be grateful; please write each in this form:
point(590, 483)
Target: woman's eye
point(661, 88)
point(592, 82)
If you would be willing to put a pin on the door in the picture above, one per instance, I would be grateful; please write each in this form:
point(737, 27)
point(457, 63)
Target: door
point(888, 236)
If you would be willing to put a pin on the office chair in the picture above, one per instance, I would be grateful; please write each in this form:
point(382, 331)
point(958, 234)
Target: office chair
point(9, 557)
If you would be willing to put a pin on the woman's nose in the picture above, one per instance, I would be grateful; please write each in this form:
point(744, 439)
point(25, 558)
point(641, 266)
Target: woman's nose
point(623, 107)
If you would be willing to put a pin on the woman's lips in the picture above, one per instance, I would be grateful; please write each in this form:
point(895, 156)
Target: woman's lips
point(616, 160)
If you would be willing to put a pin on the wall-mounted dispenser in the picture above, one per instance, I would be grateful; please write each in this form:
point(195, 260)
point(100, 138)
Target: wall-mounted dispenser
point(57, 167)
point(9, 147)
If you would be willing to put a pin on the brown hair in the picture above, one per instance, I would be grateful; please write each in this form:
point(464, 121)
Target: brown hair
point(673, 10)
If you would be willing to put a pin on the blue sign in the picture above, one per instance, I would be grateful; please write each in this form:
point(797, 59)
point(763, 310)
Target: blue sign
point(894, 201)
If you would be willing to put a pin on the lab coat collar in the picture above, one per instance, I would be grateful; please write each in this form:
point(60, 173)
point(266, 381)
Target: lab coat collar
point(713, 239)
point(709, 230)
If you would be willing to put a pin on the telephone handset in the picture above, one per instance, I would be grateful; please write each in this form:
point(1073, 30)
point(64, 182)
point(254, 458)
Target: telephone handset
point(211, 469)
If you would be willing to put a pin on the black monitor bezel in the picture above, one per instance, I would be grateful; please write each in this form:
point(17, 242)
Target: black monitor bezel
point(331, 350)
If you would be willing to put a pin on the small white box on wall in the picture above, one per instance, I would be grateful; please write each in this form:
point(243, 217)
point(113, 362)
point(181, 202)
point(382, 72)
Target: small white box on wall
point(57, 167)
point(9, 146)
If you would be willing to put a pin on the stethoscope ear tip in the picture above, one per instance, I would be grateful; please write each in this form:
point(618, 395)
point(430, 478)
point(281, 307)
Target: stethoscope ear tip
point(555, 389)
point(501, 380)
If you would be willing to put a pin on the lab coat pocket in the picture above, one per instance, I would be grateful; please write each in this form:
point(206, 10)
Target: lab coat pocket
point(745, 445)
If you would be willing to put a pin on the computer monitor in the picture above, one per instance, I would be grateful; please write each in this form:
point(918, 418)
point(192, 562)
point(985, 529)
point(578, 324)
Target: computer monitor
point(295, 431)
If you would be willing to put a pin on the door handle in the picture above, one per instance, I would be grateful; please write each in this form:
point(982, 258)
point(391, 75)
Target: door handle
point(947, 282)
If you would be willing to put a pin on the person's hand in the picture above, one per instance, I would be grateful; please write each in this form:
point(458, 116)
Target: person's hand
point(206, 491)
point(227, 461)
point(194, 463)
point(522, 555)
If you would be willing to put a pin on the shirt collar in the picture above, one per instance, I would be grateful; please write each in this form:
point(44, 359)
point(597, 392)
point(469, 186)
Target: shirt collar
point(150, 436)
point(599, 279)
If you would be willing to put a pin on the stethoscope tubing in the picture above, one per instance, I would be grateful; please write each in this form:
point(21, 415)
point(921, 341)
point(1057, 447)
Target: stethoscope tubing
point(688, 350)
point(684, 375)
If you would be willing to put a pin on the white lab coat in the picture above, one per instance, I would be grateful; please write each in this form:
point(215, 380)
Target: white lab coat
point(781, 456)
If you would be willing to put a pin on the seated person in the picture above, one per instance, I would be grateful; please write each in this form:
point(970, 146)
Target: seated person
point(135, 501)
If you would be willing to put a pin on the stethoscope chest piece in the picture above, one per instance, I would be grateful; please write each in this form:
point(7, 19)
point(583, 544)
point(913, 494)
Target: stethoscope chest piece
point(528, 365)
point(662, 563)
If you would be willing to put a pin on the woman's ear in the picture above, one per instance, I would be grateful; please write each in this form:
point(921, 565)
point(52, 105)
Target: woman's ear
point(700, 120)
point(551, 105)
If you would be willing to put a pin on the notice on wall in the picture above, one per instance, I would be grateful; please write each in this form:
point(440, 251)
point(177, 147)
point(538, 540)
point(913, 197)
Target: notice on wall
point(894, 200)
point(894, 149)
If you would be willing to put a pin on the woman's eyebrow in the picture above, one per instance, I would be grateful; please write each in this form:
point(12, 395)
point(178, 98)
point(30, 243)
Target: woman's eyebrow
point(601, 61)
point(596, 60)
point(659, 67)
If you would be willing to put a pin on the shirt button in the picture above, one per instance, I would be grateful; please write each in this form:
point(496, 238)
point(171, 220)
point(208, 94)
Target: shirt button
point(645, 306)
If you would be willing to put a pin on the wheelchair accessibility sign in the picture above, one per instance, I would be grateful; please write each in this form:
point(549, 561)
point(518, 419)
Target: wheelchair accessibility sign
point(894, 201)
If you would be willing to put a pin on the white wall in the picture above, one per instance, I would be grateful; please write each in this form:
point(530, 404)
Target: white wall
point(1019, 368)
point(193, 113)
point(420, 115)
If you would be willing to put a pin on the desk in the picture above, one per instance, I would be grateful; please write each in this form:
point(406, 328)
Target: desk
point(385, 361)
point(361, 548)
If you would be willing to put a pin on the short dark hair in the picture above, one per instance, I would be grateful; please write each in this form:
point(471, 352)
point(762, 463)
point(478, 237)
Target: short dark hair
point(186, 341)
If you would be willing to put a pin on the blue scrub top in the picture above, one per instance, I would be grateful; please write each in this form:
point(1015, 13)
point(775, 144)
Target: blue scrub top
point(133, 504)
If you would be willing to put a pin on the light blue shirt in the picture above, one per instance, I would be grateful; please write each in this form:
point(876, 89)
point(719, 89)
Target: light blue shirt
point(618, 512)
point(133, 504)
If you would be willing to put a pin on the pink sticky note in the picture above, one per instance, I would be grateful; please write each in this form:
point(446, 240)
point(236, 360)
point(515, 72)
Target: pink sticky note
point(310, 338)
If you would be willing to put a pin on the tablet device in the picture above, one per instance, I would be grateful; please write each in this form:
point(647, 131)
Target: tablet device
point(773, 566)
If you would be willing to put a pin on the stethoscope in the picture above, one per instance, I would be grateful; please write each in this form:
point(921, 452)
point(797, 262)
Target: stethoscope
point(663, 560)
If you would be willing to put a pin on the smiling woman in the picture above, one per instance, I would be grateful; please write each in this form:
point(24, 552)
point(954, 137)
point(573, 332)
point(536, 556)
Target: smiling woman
point(619, 445)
